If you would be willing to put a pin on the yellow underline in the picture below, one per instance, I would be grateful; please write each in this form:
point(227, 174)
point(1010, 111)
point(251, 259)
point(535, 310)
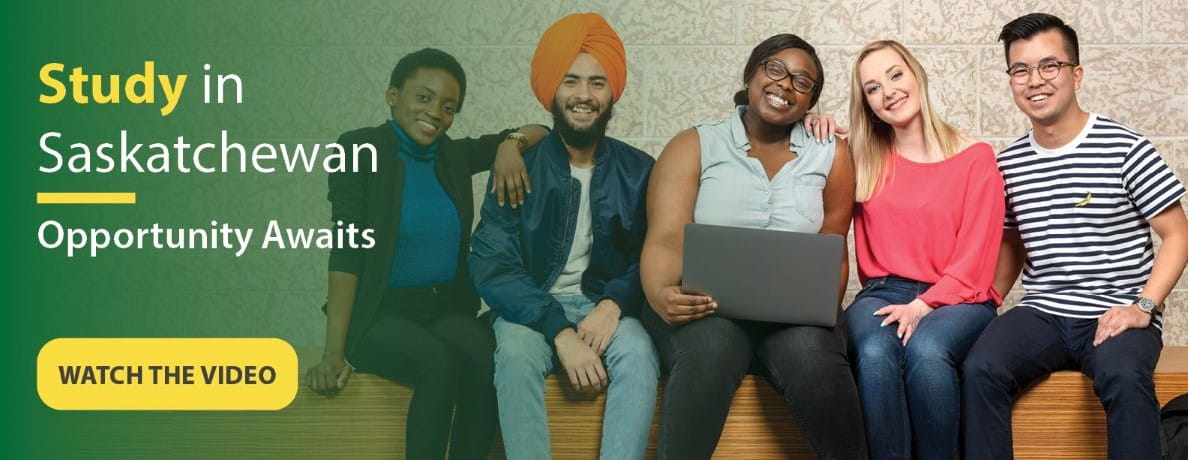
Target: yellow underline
point(86, 198)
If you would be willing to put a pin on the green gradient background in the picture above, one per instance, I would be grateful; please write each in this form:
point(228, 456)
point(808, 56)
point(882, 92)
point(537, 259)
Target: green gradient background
point(311, 70)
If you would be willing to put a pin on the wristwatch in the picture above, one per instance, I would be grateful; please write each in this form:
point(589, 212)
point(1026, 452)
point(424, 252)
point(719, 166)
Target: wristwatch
point(1146, 305)
point(520, 138)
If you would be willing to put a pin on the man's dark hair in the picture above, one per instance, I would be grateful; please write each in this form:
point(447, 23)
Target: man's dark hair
point(769, 48)
point(429, 58)
point(1027, 26)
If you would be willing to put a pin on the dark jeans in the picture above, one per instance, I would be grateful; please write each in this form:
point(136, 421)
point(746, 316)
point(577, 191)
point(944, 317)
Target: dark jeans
point(706, 360)
point(1025, 344)
point(911, 394)
point(423, 340)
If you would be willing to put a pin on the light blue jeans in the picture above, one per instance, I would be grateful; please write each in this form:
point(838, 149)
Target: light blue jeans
point(522, 360)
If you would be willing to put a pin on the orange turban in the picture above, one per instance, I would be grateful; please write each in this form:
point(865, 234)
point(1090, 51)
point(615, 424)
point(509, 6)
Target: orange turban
point(560, 45)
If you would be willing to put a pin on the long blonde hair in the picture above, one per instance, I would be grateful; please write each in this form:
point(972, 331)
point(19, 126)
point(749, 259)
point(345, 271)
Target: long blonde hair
point(871, 139)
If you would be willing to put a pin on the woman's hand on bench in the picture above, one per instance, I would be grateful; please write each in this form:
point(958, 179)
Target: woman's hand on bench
point(329, 376)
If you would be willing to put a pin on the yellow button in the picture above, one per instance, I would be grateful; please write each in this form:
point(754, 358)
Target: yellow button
point(167, 374)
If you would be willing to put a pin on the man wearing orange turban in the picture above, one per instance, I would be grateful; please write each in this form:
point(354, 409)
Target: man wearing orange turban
point(577, 33)
point(562, 271)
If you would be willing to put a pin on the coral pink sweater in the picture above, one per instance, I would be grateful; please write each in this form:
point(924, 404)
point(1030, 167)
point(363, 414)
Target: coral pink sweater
point(938, 223)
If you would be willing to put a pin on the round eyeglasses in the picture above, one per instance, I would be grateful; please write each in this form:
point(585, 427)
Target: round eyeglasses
point(776, 71)
point(1048, 70)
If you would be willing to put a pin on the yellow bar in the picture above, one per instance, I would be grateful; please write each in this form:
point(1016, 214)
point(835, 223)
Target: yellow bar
point(86, 198)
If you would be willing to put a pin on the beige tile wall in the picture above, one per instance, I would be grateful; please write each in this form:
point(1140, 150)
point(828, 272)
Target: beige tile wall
point(685, 60)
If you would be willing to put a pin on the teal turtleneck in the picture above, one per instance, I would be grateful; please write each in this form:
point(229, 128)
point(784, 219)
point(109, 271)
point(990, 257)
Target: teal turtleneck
point(430, 232)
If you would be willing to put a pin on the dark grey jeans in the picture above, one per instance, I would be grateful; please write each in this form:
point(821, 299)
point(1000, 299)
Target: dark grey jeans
point(707, 359)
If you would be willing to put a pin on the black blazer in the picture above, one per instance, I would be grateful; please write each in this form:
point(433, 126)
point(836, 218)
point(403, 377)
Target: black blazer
point(373, 200)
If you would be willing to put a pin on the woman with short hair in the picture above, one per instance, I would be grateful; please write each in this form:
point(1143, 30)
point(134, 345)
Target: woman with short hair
point(758, 168)
point(405, 309)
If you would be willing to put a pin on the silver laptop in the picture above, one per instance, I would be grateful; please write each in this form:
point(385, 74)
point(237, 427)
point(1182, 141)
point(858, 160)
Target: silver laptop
point(765, 275)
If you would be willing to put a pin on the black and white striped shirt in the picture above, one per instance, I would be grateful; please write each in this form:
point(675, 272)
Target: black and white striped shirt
point(1082, 210)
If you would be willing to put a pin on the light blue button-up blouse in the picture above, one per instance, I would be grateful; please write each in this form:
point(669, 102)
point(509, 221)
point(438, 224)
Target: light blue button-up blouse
point(734, 188)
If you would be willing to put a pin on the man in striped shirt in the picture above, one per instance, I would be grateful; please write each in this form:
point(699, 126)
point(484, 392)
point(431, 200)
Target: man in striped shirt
point(1083, 193)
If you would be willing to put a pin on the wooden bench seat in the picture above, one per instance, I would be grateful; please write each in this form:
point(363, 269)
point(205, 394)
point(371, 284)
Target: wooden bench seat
point(1058, 418)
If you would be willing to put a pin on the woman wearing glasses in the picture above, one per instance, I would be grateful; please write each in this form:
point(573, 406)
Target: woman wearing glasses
point(758, 168)
point(927, 228)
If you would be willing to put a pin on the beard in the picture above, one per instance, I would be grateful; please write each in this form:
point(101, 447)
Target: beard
point(581, 137)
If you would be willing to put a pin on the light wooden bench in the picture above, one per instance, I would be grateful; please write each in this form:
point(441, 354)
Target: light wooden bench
point(1058, 418)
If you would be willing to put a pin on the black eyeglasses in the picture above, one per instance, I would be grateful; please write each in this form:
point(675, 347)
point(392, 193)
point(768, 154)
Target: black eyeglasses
point(776, 71)
point(1048, 70)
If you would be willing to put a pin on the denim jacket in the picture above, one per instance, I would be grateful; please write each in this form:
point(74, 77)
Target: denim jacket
point(517, 254)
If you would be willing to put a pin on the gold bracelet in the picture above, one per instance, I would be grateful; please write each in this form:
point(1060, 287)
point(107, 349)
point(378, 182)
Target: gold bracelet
point(520, 138)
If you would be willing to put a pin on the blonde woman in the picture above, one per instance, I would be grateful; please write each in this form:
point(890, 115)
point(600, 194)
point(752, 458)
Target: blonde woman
point(927, 226)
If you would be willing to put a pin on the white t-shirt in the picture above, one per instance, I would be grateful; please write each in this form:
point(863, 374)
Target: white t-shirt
point(570, 280)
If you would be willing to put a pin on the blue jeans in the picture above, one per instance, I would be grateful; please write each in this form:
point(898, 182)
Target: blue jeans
point(1025, 344)
point(522, 360)
point(911, 395)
